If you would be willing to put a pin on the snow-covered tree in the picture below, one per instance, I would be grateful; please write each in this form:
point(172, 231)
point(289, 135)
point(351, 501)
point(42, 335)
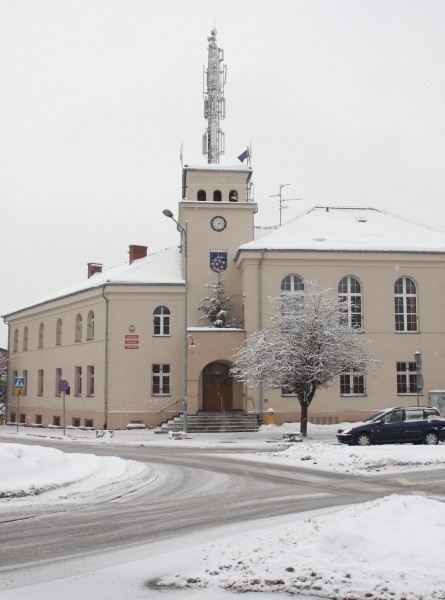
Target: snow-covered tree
point(215, 308)
point(305, 347)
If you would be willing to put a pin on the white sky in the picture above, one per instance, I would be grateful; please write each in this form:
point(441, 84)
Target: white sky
point(337, 553)
point(341, 98)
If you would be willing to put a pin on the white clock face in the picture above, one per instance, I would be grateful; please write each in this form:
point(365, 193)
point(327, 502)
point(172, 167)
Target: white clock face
point(218, 223)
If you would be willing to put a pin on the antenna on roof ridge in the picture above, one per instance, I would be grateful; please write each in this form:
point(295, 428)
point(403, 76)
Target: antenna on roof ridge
point(214, 102)
point(283, 200)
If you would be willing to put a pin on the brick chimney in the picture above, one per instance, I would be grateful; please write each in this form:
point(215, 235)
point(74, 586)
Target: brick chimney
point(94, 268)
point(137, 252)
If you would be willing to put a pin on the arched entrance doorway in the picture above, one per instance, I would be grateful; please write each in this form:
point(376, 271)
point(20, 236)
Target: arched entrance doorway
point(217, 388)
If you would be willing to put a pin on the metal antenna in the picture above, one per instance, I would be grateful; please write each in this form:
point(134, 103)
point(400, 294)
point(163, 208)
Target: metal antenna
point(214, 101)
point(284, 200)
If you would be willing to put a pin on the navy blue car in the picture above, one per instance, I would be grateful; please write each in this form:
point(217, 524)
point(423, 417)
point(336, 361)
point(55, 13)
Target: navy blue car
point(408, 425)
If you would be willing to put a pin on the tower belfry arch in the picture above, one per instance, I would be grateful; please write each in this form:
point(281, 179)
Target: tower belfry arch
point(214, 101)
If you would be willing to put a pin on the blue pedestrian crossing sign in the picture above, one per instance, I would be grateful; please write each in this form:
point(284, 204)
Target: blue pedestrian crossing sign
point(19, 382)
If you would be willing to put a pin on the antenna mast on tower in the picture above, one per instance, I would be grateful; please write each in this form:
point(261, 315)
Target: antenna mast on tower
point(214, 101)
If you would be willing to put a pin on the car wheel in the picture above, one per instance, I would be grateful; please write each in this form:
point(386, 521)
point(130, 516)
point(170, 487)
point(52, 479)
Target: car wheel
point(363, 439)
point(431, 439)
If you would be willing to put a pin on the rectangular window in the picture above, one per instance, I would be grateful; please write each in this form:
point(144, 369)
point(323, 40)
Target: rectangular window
point(90, 380)
point(12, 417)
point(75, 422)
point(22, 418)
point(38, 419)
point(352, 383)
point(160, 379)
point(78, 381)
point(58, 379)
point(406, 378)
point(40, 383)
point(288, 390)
point(25, 378)
point(88, 423)
point(56, 421)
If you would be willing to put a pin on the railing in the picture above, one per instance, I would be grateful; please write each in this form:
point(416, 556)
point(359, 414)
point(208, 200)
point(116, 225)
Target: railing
point(167, 405)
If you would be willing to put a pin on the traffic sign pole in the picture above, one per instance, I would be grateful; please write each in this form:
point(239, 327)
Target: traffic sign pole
point(19, 384)
point(63, 386)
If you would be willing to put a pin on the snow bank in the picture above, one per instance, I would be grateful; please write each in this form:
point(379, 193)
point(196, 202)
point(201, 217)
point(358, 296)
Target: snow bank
point(360, 460)
point(388, 548)
point(31, 471)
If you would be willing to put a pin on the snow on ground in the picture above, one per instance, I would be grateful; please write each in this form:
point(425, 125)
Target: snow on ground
point(35, 474)
point(389, 548)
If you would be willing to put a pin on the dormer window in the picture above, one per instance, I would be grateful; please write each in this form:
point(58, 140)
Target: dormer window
point(202, 196)
point(217, 196)
point(233, 196)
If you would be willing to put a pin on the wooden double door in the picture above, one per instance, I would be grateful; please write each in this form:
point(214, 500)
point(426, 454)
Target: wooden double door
point(217, 388)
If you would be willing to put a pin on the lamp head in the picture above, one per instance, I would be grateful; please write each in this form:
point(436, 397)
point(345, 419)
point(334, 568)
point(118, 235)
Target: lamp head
point(168, 213)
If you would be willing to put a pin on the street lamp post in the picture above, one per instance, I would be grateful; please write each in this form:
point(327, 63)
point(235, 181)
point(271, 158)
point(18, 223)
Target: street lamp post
point(419, 375)
point(168, 213)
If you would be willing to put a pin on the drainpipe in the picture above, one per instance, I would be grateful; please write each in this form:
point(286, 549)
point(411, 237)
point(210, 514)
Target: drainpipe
point(260, 318)
point(106, 360)
point(8, 375)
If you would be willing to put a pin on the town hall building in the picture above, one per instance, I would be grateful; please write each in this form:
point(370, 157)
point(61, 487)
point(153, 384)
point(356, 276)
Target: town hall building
point(132, 344)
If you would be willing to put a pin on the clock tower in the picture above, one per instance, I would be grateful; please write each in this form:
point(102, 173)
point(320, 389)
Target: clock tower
point(218, 214)
point(217, 209)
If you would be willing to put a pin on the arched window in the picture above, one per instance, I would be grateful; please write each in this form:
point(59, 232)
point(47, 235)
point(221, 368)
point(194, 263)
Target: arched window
point(16, 340)
point(292, 283)
point(59, 332)
point(78, 331)
point(202, 196)
point(41, 332)
point(233, 196)
point(405, 304)
point(161, 321)
point(25, 339)
point(217, 196)
point(350, 294)
point(90, 326)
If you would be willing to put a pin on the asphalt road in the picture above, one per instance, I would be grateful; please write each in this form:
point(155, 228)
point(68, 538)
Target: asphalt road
point(192, 490)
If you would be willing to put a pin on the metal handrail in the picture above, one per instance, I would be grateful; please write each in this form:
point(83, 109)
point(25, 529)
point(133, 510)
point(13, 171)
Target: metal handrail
point(167, 405)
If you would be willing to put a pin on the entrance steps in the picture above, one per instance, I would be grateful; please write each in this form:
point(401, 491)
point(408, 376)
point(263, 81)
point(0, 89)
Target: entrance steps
point(206, 422)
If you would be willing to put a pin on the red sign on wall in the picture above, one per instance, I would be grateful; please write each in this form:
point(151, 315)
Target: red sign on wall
point(132, 341)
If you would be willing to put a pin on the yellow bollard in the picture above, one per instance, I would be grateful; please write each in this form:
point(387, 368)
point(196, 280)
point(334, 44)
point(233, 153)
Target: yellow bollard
point(270, 419)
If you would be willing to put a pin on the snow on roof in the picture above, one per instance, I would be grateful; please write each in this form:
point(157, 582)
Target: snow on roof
point(215, 167)
point(350, 229)
point(163, 267)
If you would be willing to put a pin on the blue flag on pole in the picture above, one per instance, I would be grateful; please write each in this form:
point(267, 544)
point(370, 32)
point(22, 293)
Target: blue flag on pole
point(242, 157)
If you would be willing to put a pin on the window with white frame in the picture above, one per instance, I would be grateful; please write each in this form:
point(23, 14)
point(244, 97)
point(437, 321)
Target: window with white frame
point(78, 381)
point(292, 283)
point(90, 325)
point(352, 383)
point(90, 380)
point(350, 295)
point(78, 330)
point(25, 339)
point(405, 304)
point(40, 382)
point(161, 321)
point(160, 380)
point(59, 332)
point(41, 333)
point(406, 378)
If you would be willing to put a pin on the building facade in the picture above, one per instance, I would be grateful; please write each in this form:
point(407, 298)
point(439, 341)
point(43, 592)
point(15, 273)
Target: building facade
point(131, 343)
